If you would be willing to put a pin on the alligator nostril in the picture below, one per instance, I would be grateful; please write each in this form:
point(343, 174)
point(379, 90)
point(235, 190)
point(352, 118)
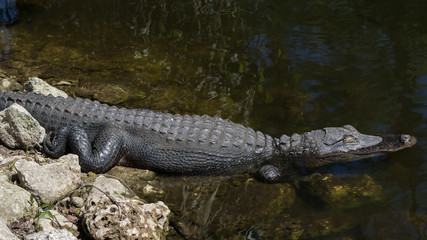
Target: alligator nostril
point(405, 138)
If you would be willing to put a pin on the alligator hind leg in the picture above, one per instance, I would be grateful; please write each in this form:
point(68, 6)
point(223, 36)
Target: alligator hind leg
point(55, 146)
point(270, 174)
point(97, 156)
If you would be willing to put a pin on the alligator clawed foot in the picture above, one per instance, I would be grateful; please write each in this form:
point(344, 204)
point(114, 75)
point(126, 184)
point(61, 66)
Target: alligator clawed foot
point(49, 141)
point(270, 173)
point(55, 144)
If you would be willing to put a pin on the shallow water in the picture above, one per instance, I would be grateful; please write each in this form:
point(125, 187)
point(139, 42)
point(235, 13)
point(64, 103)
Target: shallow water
point(276, 66)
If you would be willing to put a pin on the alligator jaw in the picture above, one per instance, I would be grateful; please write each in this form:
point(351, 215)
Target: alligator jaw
point(334, 145)
point(389, 143)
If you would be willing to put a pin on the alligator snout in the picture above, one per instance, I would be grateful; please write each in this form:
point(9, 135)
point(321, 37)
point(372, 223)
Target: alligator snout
point(408, 139)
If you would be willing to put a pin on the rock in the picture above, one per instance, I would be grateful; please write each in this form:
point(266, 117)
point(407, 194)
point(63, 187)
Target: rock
point(15, 203)
point(18, 129)
point(339, 192)
point(45, 223)
point(7, 84)
point(5, 232)
point(198, 203)
point(10, 159)
point(325, 225)
point(78, 202)
point(59, 221)
point(125, 218)
point(49, 182)
point(3, 177)
point(58, 234)
point(37, 85)
point(151, 190)
point(2, 161)
point(114, 96)
point(127, 168)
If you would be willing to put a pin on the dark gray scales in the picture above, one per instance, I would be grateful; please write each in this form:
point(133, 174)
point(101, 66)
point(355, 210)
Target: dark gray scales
point(181, 144)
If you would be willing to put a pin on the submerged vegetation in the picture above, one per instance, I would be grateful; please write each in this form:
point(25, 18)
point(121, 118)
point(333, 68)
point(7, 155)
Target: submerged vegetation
point(276, 66)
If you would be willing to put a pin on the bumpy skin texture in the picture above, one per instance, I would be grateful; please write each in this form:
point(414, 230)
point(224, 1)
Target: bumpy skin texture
point(101, 135)
point(193, 145)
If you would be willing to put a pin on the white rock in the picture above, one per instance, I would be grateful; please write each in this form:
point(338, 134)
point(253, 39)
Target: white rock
point(58, 234)
point(15, 202)
point(37, 85)
point(5, 232)
point(77, 202)
point(126, 218)
point(18, 129)
point(48, 224)
point(11, 159)
point(9, 84)
point(49, 182)
point(45, 224)
point(4, 177)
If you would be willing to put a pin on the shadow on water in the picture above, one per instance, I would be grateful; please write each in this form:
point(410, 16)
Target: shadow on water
point(276, 66)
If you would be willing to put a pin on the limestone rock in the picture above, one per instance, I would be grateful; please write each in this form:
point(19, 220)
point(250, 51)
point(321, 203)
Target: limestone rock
point(125, 218)
point(7, 84)
point(59, 221)
point(37, 85)
point(45, 224)
point(5, 232)
point(58, 234)
point(10, 159)
point(78, 202)
point(18, 129)
point(49, 182)
point(15, 202)
point(337, 192)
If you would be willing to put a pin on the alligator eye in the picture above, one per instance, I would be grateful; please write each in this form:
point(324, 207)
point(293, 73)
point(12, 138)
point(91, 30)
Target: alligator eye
point(406, 139)
point(348, 139)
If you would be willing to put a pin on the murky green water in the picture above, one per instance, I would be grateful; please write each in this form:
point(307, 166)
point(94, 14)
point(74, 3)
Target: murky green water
point(277, 66)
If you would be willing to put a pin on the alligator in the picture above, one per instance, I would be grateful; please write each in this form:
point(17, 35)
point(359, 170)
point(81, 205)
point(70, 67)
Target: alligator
point(101, 135)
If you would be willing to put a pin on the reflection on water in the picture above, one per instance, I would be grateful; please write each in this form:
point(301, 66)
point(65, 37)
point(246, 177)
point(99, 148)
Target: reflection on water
point(5, 41)
point(8, 15)
point(277, 66)
point(8, 11)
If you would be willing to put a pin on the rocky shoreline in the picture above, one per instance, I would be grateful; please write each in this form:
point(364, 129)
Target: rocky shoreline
point(43, 198)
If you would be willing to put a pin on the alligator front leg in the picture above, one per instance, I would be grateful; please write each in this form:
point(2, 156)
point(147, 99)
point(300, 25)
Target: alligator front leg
point(97, 156)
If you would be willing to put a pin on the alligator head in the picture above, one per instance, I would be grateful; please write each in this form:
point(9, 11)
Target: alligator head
point(340, 144)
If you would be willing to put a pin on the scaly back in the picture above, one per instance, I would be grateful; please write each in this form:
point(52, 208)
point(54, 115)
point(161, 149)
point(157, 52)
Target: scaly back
point(54, 113)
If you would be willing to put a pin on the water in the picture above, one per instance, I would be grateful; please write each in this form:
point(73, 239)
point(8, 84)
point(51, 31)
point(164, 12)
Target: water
point(277, 66)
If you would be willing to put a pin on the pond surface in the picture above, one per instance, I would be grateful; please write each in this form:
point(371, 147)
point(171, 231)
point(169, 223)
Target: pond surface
point(276, 66)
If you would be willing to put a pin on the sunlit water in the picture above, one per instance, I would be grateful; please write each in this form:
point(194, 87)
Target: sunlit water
point(276, 66)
